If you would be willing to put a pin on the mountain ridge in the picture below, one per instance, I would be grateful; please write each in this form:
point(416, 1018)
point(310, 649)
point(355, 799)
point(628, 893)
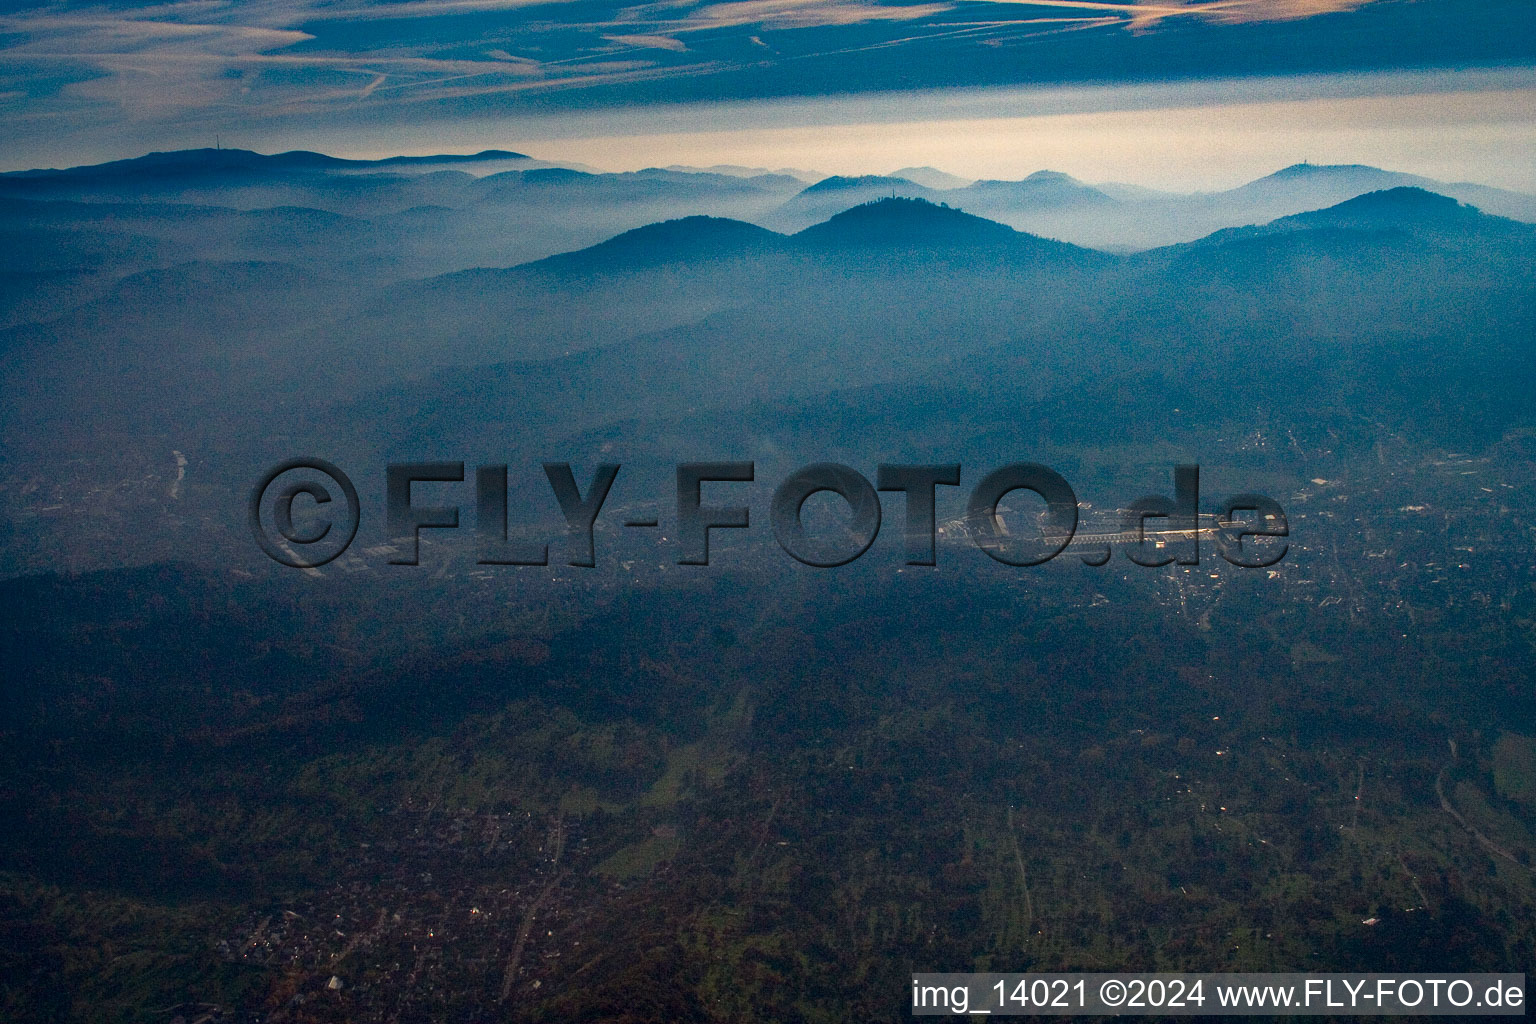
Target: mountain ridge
point(220, 160)
point(1403, 209)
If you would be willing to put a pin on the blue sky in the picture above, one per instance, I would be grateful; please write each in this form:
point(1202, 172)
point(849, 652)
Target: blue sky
point(86, 81)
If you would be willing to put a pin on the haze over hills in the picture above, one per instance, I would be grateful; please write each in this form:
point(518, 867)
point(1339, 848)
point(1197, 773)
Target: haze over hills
point(498, 208)
point(738, 171)
point(1043, 189)
point(930, 177)
point(1304, 286)
point(1128, 217)
point(170, 323)
point(702, 316)
point(572, 777)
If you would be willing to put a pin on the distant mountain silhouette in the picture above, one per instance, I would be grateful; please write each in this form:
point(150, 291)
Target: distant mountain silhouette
point(1354, 174)
point(572, 187)
point(542, 176)
point(1056, 205)
point(739, 171)
point(514, 208)
point(685, 240)
point(1318, 185)
point(836, 194)
point(1390, 207)
point(1041, 189)
point(1408, 210)
point(659, 275)
point(447, 158)
point(917, 225)
point(904, 222)
point(765, 180)
point(216, 161)
point(863, 182)
point(663, 274)
point(931, 177)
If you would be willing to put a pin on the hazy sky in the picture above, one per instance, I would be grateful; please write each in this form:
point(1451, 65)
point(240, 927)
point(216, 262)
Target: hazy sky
point(1215, 134)
point(1167, 92)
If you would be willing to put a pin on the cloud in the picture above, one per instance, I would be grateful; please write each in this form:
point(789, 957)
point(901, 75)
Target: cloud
point(145, 66)
point(75, 35)
point(785, 14)
point(186, 59)
point(1241, 11)
point(213, 57)
point(650, 42)
point(1139, 16)
point(194, 61)
point(418, 9)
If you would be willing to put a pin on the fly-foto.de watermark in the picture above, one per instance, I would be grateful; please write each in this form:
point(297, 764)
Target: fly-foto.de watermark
point(305, 512)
